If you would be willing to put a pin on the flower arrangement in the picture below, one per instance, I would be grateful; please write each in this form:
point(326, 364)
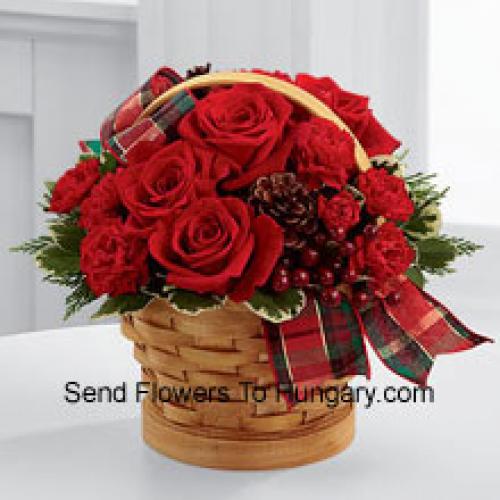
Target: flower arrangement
point(237, 193)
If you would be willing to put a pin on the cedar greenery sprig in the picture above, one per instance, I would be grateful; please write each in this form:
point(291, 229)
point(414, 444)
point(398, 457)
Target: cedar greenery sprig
point(434, 252)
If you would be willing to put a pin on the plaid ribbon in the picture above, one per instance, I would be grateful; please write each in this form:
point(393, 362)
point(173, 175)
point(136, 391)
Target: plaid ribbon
point(321, 344)
point(325, 343)
point(125, 136)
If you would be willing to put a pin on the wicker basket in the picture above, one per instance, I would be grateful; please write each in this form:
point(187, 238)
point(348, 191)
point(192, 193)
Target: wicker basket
point(223, 348)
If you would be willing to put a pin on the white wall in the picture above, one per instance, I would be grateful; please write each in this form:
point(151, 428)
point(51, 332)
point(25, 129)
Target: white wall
point(61, 73)
point(464, 106)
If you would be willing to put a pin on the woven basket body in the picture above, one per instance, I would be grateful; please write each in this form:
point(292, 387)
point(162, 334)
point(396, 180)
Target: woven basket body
point(225, 348)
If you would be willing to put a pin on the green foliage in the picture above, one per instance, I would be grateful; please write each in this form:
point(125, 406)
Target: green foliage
point(461, 245)
point(108, 163)
point(80, 296)
point(47, 195)
point(277, 307)
point(67, 235)
point(33, 246)
point(122, 304)
point(192, 303)
point(435, 252)
point(434, 255)
point(58, 261)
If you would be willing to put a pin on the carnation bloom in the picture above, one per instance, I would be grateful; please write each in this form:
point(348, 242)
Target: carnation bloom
point(114, 260)
point(323, 153)
point(341, 211)
point(103, 206)
point(387, 254)
point(74, 185)
point(385, 195)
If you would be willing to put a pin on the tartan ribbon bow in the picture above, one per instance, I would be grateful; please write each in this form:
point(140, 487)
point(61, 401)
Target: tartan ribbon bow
point(325, 343)
point(127, 136)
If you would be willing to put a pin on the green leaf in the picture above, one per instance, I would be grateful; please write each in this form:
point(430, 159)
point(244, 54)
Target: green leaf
point(108, 163)
point(80, 296)
point(67, 235)
point(49, 186)
point(277, 307)
point(122, 304)
point(434, 253)
point(58, 261)
point(33, 246)
point(47, 195)
point(192, 303)
point(416, 276)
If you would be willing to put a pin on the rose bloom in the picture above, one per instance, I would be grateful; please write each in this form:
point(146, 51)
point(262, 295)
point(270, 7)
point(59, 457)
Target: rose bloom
point(354, 111)
point(323, 153)
point(172, 178)
point(103, 206)
point(74, 185)
point(216, 245)
point(247, 124)
point(387, 254)
point(385, 195)
point(341, 211)
point(114, 260)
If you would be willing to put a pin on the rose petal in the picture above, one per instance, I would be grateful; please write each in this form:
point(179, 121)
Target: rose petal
point(269, 241)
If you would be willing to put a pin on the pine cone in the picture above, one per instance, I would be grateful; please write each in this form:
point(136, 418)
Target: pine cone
point(198, 71)
point(290, 204)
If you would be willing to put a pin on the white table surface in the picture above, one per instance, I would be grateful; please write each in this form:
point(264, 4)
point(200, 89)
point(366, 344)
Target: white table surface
point(52, 450)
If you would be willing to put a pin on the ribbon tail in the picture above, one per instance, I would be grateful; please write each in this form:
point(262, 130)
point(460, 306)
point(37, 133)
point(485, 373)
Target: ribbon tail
point(397, 350)
point(458, 327)
point(429, 323)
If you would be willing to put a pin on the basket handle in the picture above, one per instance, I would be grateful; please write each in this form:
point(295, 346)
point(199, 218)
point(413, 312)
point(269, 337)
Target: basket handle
point(294, 93)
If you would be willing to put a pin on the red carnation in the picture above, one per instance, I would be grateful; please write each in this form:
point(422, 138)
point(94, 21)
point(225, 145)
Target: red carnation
point(387, 254)
point(172, 178)
point(114, 260)
point(354, 111)
point(323, 153)
point(385, 195)
point(214, 243)
point(103, 206)
point(246, 123)
point(74, 185)
point(341, 211)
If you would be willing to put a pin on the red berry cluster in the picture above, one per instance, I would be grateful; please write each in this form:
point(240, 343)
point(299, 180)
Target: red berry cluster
point(321, 266)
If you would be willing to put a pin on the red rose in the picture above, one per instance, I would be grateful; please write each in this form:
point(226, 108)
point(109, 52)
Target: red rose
point(354, 111)
point(172, 178)
point(216, 245)
point(114, 260)
point(341, 211)
point(387, 254)
point(323, 153)
point(74, 185)
point(385, 195)
point(246, 123)
point(103, 206)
